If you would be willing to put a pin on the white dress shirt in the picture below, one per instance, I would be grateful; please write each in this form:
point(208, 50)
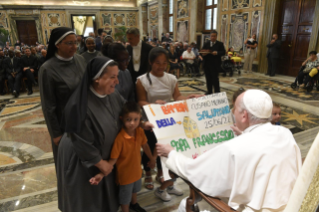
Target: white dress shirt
point(136, 57)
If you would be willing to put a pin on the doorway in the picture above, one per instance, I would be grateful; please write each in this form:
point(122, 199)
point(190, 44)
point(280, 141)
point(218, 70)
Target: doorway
point(294, 30)
point(83, 24)
point(27, 32)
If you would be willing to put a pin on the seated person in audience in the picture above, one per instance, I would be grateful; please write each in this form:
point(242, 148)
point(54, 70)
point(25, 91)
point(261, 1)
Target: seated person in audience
point(29, 68)
point(42, 58)
point(126, 154)
point(17, 53)
point(308, 70)
point(199, 58)
point(173, 60)
point(34, 51)
point(249, 168)
point(233, 56)
point(189, 58)
point(276, 114)
point(12, 66)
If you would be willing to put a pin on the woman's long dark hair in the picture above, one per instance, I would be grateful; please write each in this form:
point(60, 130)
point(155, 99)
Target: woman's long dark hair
point(154, 53)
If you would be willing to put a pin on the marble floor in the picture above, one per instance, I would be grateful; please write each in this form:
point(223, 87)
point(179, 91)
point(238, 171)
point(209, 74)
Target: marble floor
point(27, 172)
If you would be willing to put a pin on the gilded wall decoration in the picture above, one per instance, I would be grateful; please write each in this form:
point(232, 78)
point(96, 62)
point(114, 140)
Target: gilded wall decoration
point(119, 19)
point(165, 18)
point(255, 23)
point(63, 19)
point(154, 31)
point(223, 28)
point(145, 23)
point(131, 19)
point(24, 12)
point(238, 30)
point(153, 15)
point(257, 3)
point(182, 31)
point(224, 5)
point(10, 12)
point(46, 34)
point(3, 20)
point(54, 20)
point(106, 19)
point(182, 8)
point(36, 11)
point(44, 23)
point(239, 4)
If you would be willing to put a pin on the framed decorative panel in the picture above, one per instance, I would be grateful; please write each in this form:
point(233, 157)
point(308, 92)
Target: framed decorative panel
point(255, 23)
point(54, 20)
point(153, 15)
point(106, 19)
point(3, 20)
point(238, 30)
point(182, 8)
point(239, 4)
point(131, 19)
point(182, 31)
point(119, 19)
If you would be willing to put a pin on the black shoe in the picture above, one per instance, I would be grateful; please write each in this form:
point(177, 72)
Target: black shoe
point(136, 207)
point(30, 92)
point(15, 94)
point(35, 83)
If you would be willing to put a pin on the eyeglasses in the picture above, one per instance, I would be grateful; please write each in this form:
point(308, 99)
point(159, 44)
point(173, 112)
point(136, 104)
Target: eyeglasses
point(124, 61)
point(71, 43)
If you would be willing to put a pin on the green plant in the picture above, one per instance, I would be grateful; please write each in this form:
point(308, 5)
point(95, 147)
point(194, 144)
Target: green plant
point(3, 35)
point(121, 33)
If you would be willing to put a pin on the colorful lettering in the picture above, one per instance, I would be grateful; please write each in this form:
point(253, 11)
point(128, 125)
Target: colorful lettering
point(165, 122)
point(178, 107)
point(180, 145)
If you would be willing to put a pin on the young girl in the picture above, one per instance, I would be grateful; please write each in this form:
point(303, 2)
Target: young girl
point(233, 56)
point(127, 157)
point(159, 87)
point(89, 50)
point(276, 114)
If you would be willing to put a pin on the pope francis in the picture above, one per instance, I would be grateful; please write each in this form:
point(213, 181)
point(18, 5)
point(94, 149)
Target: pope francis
point(256, 171)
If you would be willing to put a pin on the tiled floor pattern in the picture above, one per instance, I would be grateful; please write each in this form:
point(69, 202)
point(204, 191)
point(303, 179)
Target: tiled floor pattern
point(27, 174)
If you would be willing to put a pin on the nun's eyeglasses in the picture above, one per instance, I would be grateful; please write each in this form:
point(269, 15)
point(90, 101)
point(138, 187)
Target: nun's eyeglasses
point(71, 43)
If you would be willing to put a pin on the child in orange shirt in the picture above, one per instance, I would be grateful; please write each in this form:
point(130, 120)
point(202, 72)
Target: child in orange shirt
point(127, 157)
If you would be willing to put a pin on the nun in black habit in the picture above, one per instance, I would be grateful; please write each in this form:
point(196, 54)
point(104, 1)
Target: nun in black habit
point(58, 78)
point(91, 122)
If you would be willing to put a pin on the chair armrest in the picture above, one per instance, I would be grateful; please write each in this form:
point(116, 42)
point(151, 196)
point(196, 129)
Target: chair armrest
point(213, 201)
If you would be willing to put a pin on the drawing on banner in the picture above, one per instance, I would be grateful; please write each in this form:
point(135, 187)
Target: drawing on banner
point(192, 126)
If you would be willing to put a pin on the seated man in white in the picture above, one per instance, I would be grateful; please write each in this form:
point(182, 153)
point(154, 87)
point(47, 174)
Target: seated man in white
point(256, 170)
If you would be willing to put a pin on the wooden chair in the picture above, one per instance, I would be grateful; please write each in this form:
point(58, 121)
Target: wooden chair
point(304, 197)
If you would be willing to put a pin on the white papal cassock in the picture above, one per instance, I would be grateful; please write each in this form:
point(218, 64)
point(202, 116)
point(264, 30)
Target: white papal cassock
point(256, 170)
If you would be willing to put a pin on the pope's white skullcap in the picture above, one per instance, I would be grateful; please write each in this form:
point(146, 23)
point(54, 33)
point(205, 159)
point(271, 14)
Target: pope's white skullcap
point(258, 103)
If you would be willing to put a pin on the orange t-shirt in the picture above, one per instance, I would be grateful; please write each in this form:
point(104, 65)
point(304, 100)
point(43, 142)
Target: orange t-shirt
point(127, 150)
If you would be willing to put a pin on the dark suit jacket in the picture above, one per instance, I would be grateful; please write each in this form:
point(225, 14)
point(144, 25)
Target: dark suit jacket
point(9, 67)
point(30, 61)
point(144, 66)
point(274, 49)
point(2, 71)
point(211, 59)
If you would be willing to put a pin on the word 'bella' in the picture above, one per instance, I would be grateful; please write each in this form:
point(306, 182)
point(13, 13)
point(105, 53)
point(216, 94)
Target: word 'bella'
point(178, 107)
point(208, 114)
point(165, 122)
point(223, 135)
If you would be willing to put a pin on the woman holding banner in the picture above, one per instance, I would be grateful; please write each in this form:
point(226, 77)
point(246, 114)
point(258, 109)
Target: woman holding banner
point(159, 87)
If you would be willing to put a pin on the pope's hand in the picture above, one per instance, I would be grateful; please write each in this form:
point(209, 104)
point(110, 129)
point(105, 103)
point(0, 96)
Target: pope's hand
point(163, 149)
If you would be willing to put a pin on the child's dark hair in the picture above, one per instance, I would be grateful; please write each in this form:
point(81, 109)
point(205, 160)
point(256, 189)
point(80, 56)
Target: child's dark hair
point(154, 53)
point(130, 107)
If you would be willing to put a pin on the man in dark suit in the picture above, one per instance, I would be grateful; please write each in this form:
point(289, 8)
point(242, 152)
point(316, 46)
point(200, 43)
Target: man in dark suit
point(273, 54)
point(139, 51)
point(2, 73)
point(12, 66)
point(29, 68)
point(41, 59)
point(212, 62)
